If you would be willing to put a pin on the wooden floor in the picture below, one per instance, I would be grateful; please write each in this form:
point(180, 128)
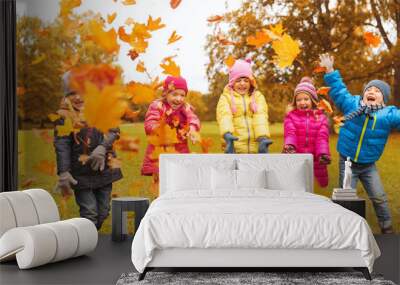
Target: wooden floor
point(111, 259)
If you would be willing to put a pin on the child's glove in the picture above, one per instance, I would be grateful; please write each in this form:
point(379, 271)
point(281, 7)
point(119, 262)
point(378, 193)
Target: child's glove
point(65, 180)
point(325, 60)
point(324, 159)
point(263, 144)
point(194, 135)
point(110, 137)
point(97, 158)
point(288, 148)
point(229, 139)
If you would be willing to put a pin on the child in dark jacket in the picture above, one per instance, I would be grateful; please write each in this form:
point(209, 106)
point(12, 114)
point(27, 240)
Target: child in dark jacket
point(362, 138)
point(90, 179)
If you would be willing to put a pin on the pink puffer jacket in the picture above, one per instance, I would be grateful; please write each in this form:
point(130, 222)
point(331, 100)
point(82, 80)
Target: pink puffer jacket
point(183, 117)
point(308, 132)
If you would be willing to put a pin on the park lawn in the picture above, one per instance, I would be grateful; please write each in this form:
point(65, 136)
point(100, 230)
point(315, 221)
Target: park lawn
point(37, 161)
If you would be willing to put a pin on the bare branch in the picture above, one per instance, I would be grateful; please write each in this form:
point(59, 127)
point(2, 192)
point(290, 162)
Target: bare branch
point(380, 25)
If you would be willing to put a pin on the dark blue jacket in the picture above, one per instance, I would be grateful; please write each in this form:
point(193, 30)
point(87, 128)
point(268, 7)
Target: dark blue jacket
point(362, 138)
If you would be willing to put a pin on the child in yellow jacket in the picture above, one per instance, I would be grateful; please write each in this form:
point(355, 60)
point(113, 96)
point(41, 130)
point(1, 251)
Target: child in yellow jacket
point(242, 112)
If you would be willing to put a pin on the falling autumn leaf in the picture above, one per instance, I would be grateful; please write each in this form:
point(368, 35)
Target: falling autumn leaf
point(38, 59)
point(230, 61)
point(323, 91)
point(371, 39)
point(141, 93)
point(338, 120)
point(67, 5)
point(129, 2)
point(130, 115)
point(111, 18)
point(105, 39)
point(104, 108)
point(174, 37)
point(156, 83)
point(206, 144)
point(216, 18)
point(140, 67)
point(325, 106)
point(174, 3)
point(46, 167)
point(133, 54)
point(286, 49)
point(319, 69)
point(170, 68)
point(154, 25)
point(277, 29)
point(261, 38)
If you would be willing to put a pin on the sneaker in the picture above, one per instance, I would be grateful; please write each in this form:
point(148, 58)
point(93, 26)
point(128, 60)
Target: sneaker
point(388, 230)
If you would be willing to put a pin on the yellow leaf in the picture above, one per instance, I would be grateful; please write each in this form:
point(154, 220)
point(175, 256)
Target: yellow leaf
point(66, 129)
point(230, 60)
point(105, 39)
point(286, 49)
point(141, 93)
point(67, 5)
point(277, 29)
point(261, 38)
point(111, 18)
point(129, 2)
point(38, 59)
point(140, 67)
point(141, 31)
point(171, 68)
point(174, 37)
point(104, 108)
point(154, 25)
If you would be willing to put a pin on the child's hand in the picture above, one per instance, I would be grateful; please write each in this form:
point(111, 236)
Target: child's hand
point(289, 149)
point(194, 135)
point(325, 60)
point(324, 159)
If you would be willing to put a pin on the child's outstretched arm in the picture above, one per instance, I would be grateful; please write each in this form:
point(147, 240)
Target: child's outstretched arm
point(322, 142)
point(338, 90)
point(394, 117)
point(290, 138)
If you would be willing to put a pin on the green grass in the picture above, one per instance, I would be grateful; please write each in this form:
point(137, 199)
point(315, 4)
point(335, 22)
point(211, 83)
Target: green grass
point(33, 149)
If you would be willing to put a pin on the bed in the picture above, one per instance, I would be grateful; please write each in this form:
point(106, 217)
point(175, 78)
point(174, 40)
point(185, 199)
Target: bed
point(243, 210)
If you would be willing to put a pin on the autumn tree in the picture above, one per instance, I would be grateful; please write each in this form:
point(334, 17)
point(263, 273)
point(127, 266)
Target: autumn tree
point(335, 27)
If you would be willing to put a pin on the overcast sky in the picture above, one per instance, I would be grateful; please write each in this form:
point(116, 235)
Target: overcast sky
point(189, 20)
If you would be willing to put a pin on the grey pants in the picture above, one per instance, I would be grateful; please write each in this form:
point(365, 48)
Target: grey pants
point(94, 204)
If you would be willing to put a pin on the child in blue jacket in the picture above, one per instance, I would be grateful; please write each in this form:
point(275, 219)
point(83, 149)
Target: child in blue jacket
point(362, 138)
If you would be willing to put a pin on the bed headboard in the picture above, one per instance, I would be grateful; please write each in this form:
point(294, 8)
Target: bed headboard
point(265, 160)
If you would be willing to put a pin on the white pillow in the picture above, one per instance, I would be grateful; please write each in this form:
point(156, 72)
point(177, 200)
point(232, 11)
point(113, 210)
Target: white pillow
point(183, 177)
point(223, 179)
point(290, 180)
point(251, 178)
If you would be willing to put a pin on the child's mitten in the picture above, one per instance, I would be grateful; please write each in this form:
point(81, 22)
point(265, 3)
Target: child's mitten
point(229, 139)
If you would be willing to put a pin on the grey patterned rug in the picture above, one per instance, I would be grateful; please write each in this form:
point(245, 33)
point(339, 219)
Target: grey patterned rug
point(230, 278)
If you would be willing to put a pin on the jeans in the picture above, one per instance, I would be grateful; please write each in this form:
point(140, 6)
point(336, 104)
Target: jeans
point(94, 204)
point(369, 176)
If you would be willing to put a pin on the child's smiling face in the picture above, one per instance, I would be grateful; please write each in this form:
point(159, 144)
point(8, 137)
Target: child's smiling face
point(303, 101)
point(176, 98)
point(242, 85)
point(76, 101)
point(372, 96)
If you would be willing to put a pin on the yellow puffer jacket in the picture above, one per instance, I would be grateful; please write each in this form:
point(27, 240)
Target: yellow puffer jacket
point(243, 124)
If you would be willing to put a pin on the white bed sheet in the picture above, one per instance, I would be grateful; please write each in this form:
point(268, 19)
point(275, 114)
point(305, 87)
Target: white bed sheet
point(250, 218)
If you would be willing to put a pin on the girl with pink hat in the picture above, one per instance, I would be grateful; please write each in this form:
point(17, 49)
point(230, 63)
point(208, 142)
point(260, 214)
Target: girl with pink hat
point(306, 129)
point(169, 123)
point(242, 112)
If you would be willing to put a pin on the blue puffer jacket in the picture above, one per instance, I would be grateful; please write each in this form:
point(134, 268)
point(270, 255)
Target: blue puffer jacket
point(361, 138)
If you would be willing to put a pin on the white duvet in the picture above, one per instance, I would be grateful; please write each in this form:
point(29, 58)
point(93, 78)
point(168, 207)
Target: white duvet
point(253, 218)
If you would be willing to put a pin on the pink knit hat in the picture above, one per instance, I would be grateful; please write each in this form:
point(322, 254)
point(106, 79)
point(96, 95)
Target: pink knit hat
point(306, 86)
point(241, 68)
point(172, 83)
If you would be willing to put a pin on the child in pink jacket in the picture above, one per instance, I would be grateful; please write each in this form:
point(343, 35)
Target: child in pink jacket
point(169, 122)
point(307, 130)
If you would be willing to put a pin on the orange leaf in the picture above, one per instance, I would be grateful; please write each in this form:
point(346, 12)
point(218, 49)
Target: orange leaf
point(277, 29)
point(261, 38)
point(130, 115)
point(105, 39)
point(325, 106)
point(140, 67)
point(215, 18)
point(154, 25)
point(230, 61)
point(372, 39)
point(111, 18)
point(47, 167)
point(174, 37)
point(141, 93)
point(133, 54)
point(206, 144)
point(171, 68)
point(104, 108)
point(21, 91)
point(323, 91)
point(67, 5)
point(319, 69)
point(338, 120)
point(140, 31)
point(129, 2)
point(83, 158)
point(174, 3)
point(223, 40)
